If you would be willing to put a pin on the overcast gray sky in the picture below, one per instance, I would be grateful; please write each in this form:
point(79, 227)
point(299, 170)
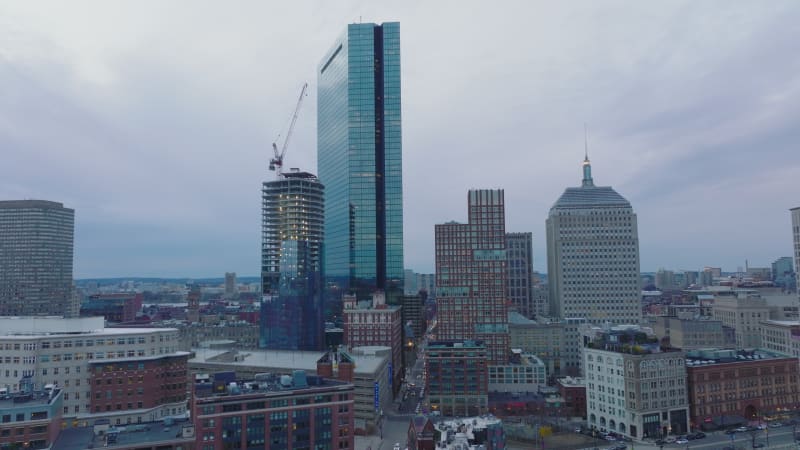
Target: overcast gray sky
point(154, 120)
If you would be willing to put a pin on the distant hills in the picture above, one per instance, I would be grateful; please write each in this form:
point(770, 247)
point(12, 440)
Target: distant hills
point(205, 281)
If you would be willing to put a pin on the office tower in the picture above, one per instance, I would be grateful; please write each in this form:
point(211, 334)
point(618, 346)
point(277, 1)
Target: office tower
point(796, 240)
point(520, 273)
point(593, 255)
point(781, 269)
point(230, 284)
point(193, 305)
point(291, 277)
point(471, 275)
point(359, 159)
point(36, 243)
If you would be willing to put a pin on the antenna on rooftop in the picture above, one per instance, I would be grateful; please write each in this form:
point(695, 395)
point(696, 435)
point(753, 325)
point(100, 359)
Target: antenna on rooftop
point(586, 141)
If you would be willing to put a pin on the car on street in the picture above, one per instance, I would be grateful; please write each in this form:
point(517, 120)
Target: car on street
point(741, 429)
point(775, 425)
point(682, 441)
point(577, 429)
point(698, 435)
point(660, 442)
point(758, 445)
point(610, 438)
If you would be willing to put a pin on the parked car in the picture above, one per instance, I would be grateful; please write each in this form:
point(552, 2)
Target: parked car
point(610, 438)
point(660, 442)
point(698, 435)
point(758, 445)
point(741, 429)
point(775, 425)
point(682, 441)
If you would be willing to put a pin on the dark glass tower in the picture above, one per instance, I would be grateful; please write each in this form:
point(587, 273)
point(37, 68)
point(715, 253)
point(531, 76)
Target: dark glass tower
point(359, 159)
point(291, 269)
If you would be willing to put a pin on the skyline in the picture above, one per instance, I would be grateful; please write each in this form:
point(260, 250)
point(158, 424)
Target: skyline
point(154, 123)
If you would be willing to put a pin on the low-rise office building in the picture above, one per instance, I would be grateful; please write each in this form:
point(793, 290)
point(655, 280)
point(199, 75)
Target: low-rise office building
point(365, 368)
point(541, 337)
point(633, 386)
point(573, 391)
point(64, 351)
point(730, 385)
point(274, 411)
point(690, 333)
point(524, 373)
point(457, 381)
point(30, 420)
point(376, 323)
point(782, 336)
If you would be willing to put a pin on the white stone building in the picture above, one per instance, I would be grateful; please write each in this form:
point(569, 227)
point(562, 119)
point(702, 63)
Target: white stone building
point(55, 350)
point(632, 387)
point(593, 255)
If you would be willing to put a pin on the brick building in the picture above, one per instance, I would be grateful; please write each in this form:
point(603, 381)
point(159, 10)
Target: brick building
point(138, 383)
point(573, 391)
point(458, 380)
point(278, 412)
point(30, 421)
point(729, 385)
point(421, 434)
point(471, 275)
point(376, 324)
point(115, 308)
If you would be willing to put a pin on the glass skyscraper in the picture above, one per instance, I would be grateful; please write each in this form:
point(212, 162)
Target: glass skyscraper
point(359, 159)
point(291, 269)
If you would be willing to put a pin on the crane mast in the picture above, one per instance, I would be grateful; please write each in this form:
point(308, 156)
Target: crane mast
point(276, 163)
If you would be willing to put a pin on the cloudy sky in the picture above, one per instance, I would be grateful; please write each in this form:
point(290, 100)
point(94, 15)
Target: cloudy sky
point(154, 120)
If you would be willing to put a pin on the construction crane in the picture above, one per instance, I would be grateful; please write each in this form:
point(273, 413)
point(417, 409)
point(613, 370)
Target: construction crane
point(276, 163)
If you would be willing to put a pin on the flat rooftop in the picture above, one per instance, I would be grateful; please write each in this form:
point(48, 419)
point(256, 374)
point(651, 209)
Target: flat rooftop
point(129, 436)
point(708, 357)
point(12, 327)
point(267, 384)
point(8, 402)
point(278, 359)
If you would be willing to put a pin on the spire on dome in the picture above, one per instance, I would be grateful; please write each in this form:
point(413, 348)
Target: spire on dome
point(587, 166)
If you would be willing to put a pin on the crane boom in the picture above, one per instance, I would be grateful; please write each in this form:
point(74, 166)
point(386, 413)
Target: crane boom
point(276, 163)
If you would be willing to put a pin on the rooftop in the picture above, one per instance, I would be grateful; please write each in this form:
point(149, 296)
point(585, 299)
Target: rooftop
point(459, 433)
point(706, 357)
point(590, 197)
point(9, 401)
point(225, 384)
point(9, 204)
point(279, 359)
point(144, 434)
point(54, 326)
point(572, 381)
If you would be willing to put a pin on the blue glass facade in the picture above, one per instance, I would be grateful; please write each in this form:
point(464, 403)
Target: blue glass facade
point(291, 266)
point(359, 159)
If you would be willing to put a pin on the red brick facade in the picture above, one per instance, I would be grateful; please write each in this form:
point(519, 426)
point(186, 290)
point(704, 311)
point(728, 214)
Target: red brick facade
point(137, 384)
point(750, 388)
